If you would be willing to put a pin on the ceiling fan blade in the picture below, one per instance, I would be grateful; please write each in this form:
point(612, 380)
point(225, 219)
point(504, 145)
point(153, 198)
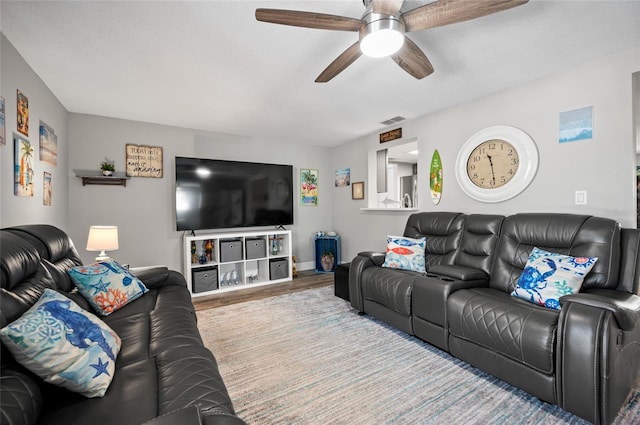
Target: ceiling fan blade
point(413, 60)
point(340, 63)
point(386, 7)
point(308, 19)
point(445, 12)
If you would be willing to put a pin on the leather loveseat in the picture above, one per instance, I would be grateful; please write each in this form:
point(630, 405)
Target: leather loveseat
point(584, 357)
point(163, 373)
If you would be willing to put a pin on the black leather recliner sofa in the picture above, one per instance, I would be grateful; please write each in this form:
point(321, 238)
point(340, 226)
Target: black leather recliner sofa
point(164, 374)
point(584, 357)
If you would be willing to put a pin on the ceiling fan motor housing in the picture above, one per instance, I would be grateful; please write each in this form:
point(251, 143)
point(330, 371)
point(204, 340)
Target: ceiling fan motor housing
point(381, 35)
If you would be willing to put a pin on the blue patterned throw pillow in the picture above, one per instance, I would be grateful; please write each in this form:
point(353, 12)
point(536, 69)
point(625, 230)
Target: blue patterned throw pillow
point(107, 285)
point(547, 276)
point(64, 345)
point(405, 253)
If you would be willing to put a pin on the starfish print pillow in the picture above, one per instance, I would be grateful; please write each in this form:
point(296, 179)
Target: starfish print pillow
point(64, 345)
point(107, 285)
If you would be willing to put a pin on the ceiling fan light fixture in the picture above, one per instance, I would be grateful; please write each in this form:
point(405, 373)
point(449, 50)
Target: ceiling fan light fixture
point(382, 36)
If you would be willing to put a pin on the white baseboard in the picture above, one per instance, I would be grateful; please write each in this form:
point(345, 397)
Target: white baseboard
point(307, 265)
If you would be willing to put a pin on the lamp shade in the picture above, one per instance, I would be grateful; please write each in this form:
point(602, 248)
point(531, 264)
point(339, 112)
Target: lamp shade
point(102, 238)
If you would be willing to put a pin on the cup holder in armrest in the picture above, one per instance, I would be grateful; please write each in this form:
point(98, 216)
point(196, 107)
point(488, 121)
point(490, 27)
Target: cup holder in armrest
point(440, 277)
point(452, 273)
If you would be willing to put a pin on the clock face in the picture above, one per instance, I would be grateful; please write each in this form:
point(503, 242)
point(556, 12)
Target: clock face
point(496, 163)
point(492, 164)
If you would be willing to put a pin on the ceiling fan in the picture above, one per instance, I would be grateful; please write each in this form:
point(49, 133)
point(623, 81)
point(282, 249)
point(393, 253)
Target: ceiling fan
point(382, 29)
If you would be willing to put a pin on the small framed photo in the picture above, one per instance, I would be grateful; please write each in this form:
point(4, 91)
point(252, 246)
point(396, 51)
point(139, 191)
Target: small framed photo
point(357, 190)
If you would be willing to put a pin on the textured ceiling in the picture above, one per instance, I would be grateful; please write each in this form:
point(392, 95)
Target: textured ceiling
point(210, 65)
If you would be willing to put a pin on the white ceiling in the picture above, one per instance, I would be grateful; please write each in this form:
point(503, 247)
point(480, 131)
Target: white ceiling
point(210, 65)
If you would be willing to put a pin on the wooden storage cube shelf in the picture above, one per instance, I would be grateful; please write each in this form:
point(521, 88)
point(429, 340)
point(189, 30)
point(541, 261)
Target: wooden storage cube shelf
point(247, 254)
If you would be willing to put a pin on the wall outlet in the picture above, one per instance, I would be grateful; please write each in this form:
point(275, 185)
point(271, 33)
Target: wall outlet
point(581, 197)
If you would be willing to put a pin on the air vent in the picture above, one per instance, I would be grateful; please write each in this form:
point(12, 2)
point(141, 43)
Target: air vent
point(393, 120)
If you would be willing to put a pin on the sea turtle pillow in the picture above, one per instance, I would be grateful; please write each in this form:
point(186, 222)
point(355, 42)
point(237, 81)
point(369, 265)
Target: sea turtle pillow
point(547, 276)
point(405, 253)
point(64, 345)
point(107, 285)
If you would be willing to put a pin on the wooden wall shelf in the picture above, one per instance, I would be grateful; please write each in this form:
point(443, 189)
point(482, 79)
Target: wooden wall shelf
point(95, 177)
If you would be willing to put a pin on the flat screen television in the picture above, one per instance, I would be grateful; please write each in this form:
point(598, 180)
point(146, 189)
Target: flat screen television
point(219, 194)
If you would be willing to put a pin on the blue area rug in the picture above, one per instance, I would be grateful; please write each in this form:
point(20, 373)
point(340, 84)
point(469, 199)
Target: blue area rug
point(308, 358)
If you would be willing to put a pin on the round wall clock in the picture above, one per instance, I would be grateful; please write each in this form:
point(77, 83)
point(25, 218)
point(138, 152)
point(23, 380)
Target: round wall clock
point(497, 163)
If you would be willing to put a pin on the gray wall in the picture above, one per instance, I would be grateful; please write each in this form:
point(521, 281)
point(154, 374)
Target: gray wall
point(604, 166)
point(144, 209)
point(43, 105)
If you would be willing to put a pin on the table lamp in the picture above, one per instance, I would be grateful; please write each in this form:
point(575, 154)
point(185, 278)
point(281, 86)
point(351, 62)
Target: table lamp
point(102, 238)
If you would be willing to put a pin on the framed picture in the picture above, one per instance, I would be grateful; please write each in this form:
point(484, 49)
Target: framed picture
point(575, 125)
point(343, 177)
point(23, 113)
point(46, 194)
point(48, 144)
point(23, 165)
point(357, 190)
point(309, 186)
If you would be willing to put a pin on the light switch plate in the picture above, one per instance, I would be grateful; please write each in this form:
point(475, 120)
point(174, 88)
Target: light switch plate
point(581, 197)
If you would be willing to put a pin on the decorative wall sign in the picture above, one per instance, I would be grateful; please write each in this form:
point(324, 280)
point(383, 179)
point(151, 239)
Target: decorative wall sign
point(390, 135)
point(435, 177)
point(357, 190)
point(576, 125)
point(23, 113)
point(23, 166)
point(144, 161)
point(48, 144)
point(343, 177)
point(309, 186)
point(3, 128)
point(46, 194)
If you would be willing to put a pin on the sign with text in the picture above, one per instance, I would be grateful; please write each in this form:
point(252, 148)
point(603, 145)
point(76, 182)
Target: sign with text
point(390, 135)
point(144, 161)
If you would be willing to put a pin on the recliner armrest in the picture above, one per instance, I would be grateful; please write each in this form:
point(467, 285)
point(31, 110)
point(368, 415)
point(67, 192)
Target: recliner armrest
point(458, 272)
point(151, 276)
point(376, 257)
point(624, 306)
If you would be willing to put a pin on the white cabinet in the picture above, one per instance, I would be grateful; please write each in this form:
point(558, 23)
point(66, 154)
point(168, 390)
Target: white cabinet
point(219, 262)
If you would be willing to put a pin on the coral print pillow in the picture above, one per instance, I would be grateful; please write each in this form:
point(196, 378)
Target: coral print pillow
point(64, 345)
point(547, 276)
point(405, 253)
point(107, 285)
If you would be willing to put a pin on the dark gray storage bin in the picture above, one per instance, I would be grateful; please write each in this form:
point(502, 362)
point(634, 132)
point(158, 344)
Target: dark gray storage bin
point(341, 281)
point(278, 268)
point(256, 248)
point(204, 279)
point(230, 250)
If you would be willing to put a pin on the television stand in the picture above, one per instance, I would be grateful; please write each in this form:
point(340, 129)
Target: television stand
point(219, 262)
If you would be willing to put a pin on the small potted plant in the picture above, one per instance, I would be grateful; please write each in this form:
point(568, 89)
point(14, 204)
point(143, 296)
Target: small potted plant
point(327, 260)
point(107, 168)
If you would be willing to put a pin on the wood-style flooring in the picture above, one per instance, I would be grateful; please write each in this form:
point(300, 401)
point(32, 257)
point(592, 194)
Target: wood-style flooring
point(305, 280)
